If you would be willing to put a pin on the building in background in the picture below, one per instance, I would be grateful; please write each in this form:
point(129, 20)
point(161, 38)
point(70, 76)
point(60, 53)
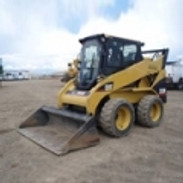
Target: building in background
point(1, 71)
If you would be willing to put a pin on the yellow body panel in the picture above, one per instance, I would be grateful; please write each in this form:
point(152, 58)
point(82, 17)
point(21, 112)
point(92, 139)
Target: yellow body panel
point(120, 81)
point(123, 118)
point(75, 100)
point(132, 97)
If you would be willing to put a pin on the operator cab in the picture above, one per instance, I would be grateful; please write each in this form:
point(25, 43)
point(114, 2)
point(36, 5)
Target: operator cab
point(103, 55)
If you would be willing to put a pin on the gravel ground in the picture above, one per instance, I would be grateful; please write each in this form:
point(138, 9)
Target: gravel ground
point(145, 155)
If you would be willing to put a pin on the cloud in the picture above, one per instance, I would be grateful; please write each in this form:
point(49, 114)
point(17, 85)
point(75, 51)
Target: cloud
point(50, 51)
point(40, 33)
point(82, 8)
point(156, 23)
point(7, 25)
point(36, 31)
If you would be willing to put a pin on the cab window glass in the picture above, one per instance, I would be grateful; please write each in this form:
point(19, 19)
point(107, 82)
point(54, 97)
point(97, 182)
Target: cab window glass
point(129, 53)
point(114, 54)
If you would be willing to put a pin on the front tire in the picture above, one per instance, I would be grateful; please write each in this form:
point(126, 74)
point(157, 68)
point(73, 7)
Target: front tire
point(117, 117)
point(150, 111)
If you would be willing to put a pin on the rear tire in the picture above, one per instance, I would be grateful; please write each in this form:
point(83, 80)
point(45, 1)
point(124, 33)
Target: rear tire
point(117, 117)
point(150, 111)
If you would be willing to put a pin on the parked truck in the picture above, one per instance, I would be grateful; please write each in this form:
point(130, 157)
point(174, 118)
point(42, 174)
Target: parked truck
point(174, 78)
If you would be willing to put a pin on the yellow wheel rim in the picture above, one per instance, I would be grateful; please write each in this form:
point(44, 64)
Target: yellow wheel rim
point(155, 112)
point(123, 118)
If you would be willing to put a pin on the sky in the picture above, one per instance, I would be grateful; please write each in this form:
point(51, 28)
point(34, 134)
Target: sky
point(42, 35)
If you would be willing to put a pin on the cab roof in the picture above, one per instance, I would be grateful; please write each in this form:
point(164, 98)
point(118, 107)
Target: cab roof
point(106, 37)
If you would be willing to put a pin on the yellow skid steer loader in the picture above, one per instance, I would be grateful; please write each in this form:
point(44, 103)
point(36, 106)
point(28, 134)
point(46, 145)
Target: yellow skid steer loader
point(71, 72)
point(116, 85)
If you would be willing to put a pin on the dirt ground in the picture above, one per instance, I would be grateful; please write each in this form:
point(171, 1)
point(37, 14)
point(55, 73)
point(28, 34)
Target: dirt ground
point(145, 155)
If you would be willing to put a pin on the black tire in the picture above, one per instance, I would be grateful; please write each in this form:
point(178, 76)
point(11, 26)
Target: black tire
point(150, 111)
point(117, 117)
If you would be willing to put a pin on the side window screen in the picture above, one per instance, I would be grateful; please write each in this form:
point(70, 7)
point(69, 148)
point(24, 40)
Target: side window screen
point(120, 54)
point(129, 53)
point(114, 55)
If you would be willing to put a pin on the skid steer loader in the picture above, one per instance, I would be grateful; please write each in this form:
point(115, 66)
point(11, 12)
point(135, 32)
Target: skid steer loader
point(71, 72)
point(117, 84)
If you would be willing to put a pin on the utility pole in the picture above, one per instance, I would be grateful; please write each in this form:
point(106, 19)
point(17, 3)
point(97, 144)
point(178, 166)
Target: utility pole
point(1, 72)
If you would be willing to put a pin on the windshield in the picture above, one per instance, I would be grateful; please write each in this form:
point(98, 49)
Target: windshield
point(90, 57)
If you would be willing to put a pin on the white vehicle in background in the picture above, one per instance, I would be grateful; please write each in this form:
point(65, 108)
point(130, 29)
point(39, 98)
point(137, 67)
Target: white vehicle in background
point(174, 77)
point(11, 75)
point(8, 76)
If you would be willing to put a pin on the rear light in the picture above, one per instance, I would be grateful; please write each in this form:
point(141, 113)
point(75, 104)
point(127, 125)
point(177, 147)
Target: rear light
point(163, 94)
point(162, 91)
